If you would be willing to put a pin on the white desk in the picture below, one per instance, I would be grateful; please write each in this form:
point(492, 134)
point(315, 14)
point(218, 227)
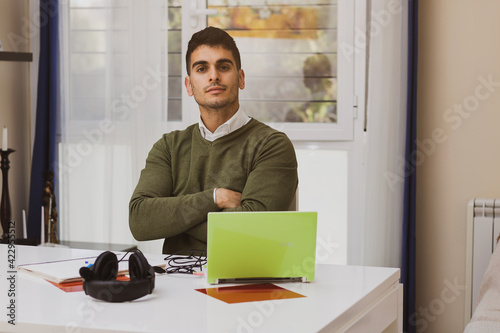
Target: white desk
point(341, 299)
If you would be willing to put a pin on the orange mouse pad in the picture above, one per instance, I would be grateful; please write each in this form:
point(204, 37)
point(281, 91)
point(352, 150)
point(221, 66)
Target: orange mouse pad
point(249, 293)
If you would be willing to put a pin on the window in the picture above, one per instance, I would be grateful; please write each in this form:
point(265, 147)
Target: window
point(296, 81)
point(289, 53)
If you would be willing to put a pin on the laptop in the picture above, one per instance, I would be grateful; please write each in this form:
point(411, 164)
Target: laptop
point(245, 247)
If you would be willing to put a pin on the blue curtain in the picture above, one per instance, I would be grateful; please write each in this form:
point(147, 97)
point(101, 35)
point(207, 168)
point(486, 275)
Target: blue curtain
point(44, 150)
point(409, 240)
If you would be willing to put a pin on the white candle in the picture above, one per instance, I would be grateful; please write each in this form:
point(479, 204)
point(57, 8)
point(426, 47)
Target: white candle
point(5, 146)
point(42, 233)
point(25, 230)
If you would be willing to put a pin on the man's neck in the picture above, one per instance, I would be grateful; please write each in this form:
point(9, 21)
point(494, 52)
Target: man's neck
point(214, 118)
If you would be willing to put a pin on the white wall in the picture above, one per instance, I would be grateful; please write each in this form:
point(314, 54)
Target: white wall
point(458, 45)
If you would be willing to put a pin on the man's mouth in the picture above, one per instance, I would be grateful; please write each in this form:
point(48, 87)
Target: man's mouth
point(216, 89)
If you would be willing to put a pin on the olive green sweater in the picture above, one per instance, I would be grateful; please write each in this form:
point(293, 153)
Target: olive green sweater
point(175, 190)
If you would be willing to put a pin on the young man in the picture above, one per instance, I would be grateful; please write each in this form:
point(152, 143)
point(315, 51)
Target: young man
point(226, 162)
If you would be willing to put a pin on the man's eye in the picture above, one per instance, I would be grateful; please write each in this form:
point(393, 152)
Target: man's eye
point(224, 68)
point(200, 69)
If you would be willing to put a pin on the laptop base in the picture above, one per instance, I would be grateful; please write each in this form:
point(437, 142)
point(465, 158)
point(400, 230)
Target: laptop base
point(254, 280)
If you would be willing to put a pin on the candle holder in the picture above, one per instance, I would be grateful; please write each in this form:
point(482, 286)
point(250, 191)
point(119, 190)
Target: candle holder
point(5, 213)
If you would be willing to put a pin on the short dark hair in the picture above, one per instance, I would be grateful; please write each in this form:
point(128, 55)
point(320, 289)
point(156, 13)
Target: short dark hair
point(213, 37)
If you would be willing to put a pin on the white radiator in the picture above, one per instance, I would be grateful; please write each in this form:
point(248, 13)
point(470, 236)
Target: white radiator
point(483, 228)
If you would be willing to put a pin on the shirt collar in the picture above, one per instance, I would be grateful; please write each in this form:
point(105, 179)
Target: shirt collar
point(238, 120)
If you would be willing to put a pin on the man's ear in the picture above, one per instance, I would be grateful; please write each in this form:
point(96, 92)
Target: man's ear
point(241, 79)
point(187, 83)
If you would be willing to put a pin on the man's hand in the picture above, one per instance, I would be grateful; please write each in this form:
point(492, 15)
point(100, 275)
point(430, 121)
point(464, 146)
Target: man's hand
point(225, 198)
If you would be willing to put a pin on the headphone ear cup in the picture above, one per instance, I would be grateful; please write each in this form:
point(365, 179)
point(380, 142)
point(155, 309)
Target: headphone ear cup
point(86, 273)
point(138, 266)
point(105, 267)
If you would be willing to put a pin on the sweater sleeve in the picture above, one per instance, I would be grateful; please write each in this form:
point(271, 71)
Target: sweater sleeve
point(273, 179)
point(153, 210)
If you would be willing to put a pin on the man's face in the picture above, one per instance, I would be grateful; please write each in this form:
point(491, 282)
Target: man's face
point(214, 80)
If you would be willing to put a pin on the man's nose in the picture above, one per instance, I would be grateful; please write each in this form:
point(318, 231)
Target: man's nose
point(214, 75)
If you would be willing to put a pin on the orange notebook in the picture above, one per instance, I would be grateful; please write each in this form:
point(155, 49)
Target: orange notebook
point(70, 287)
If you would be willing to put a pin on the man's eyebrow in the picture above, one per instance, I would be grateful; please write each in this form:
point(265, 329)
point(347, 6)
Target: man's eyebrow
point(200, 62)
point(224, 60)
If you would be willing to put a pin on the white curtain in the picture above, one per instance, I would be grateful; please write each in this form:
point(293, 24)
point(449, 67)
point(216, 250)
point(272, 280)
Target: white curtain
point(113, 91)
point(385, 131)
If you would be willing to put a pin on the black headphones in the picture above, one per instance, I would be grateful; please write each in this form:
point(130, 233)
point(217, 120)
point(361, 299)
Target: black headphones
point(99, 280)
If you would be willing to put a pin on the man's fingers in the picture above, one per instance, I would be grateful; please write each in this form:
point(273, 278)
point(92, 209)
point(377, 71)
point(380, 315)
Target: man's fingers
point(225, 198)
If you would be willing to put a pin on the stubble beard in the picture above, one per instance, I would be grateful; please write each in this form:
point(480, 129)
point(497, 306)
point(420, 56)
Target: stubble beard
point(218, 106)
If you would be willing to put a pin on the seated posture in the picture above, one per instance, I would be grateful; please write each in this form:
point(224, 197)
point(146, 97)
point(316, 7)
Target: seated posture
point(226, 162)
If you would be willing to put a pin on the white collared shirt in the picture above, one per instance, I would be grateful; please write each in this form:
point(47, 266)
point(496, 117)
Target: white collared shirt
point(238, 120)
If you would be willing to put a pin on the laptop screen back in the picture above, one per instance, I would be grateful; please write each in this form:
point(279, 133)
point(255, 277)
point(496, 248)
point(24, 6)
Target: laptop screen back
point(257, 246)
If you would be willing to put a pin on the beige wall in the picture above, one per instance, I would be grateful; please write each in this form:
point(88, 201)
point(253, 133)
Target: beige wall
point(14, 107)
point(458, 43)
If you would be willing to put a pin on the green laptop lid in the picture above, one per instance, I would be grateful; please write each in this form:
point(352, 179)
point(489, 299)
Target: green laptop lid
point(256, 246)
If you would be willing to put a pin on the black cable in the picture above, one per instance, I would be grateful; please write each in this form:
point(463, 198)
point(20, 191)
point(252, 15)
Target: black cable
point(186, 264)
point(124, 256)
